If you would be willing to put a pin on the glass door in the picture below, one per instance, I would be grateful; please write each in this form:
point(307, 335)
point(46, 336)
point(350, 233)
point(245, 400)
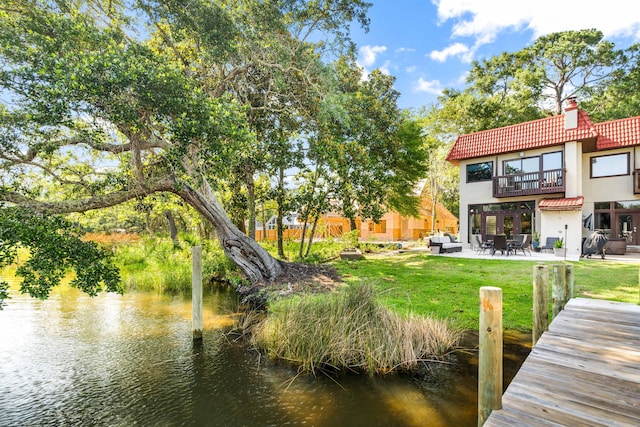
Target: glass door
point(628, 227)
point(508, 225)
point(501, 223)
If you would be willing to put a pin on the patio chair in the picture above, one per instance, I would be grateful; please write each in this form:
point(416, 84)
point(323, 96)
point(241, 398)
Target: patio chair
point(520, 243)
point(499, 244)
point(527, 243)
point(549, 243)
point(482, 246)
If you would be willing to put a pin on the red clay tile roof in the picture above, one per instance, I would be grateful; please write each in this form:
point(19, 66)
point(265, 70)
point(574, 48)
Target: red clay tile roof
point(568, 204)
point(618, 133)
point(543, 133)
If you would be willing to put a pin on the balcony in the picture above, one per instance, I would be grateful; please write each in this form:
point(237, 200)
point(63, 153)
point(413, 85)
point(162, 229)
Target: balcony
point(528, 184)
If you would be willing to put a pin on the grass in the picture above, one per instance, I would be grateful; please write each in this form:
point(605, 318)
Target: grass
point(448, 287)
point(161, 265)
point(321, 250)
point(357, 333)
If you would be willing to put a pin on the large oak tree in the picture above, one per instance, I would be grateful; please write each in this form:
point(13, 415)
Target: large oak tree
point(111, 111)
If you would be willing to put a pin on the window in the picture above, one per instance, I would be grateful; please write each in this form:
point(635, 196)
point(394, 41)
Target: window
point(526, 223)
point(631, 204)
point(527, 165)
point(479, 172)
point(603, 222)
point(611, 165)
point(550, 161)
point(475, 219)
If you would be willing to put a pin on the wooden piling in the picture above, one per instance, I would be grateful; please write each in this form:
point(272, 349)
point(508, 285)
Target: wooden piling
point(540, 301)
point(569, 281)
point(490, 355)
point(558, 288)
point(196, 291)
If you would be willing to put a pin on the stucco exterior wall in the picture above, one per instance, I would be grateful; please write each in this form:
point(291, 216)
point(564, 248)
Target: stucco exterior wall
point(573, 169)
point(553, 225)
point(608, 188)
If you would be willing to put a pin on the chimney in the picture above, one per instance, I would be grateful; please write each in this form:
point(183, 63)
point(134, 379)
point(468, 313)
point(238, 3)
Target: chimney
point(571, 114)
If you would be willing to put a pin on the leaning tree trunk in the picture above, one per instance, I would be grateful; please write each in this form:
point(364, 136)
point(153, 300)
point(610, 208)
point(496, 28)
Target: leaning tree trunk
point(252, 259)
point(173, 230)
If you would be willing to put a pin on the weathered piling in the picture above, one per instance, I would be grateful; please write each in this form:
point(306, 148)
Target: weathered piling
point(196, 291)
point(540, 301)
point(569, 281)
point(559, 291)
point(490, 355)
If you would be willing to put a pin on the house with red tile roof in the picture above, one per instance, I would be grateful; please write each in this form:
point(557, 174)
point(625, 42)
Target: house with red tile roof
point(561, 176)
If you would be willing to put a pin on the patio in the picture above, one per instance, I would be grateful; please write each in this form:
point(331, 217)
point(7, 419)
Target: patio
point(537, 256)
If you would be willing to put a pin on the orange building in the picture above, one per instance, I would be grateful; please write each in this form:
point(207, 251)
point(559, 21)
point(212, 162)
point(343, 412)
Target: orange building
point(392, 226)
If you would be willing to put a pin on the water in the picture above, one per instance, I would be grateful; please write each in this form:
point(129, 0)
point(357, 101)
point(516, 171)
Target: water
point(129, 360)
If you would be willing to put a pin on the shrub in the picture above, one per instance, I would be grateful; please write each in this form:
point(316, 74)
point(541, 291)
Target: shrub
point(351, 330)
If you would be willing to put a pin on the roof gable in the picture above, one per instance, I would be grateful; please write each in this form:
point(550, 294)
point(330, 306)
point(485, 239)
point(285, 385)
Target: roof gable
point(544, 133)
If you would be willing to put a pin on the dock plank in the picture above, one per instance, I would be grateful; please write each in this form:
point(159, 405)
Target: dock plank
point(584, 371)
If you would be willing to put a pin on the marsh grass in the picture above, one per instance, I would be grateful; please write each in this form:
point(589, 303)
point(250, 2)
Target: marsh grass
point(351, 330)
point(161, 265)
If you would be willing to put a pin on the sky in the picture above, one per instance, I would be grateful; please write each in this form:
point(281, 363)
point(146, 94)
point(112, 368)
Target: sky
point(428, 45)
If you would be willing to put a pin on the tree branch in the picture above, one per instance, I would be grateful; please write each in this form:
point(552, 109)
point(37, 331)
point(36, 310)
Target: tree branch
point(90, 203)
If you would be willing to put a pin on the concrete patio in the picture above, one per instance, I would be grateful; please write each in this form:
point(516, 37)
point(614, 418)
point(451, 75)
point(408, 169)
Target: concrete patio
point(630, 256)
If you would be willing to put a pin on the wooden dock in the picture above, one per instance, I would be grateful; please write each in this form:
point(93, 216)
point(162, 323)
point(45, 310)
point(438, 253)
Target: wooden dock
point(584, 371)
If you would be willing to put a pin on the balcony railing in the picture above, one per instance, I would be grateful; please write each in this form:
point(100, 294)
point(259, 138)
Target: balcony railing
point(526, 184)
point(636, 181)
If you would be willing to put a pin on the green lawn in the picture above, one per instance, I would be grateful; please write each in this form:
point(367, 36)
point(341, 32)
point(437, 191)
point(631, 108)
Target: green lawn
point(448, 287)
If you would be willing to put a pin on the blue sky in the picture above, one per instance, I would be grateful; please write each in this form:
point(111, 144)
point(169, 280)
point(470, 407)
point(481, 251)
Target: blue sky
point(428, 45)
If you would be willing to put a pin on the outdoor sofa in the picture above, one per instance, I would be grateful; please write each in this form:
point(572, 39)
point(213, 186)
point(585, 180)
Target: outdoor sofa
point(445, 243)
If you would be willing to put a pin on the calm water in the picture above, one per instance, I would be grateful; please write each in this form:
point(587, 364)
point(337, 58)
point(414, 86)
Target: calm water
point(129, 360)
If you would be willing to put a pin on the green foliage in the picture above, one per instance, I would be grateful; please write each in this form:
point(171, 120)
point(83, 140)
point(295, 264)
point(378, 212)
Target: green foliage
point(4, 287)
point(620, 98)
point(558, 243)
point(350, 239)
point(351, 330)
point(374, 154)
point(443, 179)
point(158, 264)
point(320, 252)
point(516, 87)
point(55, 246)
point(207, 96)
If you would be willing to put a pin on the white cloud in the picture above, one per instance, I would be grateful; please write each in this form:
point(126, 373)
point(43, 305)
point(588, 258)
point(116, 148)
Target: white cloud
point(405, 49)
point(433, 86)
point(484, 20)
point(411, 69)
point(456, 49)
point(384, 68)
point(368, 54)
